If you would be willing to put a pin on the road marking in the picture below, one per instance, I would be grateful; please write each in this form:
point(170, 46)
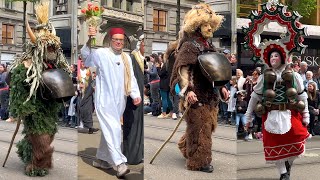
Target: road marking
point(311, 155)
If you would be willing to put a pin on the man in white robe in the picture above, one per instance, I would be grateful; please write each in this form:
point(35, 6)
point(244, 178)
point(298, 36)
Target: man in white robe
point(114, 82)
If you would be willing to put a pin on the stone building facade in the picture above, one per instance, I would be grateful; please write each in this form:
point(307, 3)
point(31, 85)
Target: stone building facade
point(11, 32)
point(11, 20)
point(63, 16)
point(127, 14)
point(160, 23)
point(225, 37)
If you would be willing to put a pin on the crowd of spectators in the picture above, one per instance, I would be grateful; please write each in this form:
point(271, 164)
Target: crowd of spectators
point(158, 101)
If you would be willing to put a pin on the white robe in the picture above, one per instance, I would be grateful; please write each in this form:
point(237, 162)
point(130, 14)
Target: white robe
point(110, 99)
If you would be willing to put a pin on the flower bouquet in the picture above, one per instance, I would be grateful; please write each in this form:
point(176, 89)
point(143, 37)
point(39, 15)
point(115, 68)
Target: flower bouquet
point(92, 14)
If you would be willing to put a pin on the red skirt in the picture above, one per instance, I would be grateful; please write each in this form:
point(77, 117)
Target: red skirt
point(284, 146)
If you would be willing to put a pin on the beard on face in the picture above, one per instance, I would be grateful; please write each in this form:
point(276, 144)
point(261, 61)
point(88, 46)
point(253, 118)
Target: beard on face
point(51, 56)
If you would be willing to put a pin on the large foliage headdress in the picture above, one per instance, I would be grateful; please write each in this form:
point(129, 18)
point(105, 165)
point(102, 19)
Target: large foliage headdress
point(37, 49)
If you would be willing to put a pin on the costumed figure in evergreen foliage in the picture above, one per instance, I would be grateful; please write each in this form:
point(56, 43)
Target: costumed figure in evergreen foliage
point(197, 70)
point(279, 96)
point(39, 81)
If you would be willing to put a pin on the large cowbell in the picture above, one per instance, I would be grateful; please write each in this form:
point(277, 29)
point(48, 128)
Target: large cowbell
point(215, 67)
point(57, 85)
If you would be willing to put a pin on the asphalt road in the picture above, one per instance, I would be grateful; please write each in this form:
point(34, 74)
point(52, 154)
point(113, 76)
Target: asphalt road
point(87, 148)
point(232, 159)
point(170, 164)
point(251, 163)
point(65, 158)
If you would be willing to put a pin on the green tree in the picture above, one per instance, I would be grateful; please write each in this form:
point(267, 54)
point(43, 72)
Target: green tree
point(24, 33)
point(304, 7)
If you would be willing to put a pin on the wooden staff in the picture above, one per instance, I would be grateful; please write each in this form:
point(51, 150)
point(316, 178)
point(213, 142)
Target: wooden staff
point(175, 129)
point(14, 135)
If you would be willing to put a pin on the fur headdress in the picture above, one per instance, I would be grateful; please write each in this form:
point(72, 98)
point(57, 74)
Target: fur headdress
point(200, 14)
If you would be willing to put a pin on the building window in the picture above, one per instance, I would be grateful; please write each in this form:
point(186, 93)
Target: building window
point(159, 20)
point(129, 5)
point(61, 7)
point(103, 2)
point(7, 34)
point(116, 3)
point(8, 4)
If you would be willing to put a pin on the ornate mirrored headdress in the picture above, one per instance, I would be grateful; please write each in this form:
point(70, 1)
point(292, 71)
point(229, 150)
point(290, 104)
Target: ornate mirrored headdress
point(289, 42)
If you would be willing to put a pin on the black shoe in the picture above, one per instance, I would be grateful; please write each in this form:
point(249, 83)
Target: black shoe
point(288, 167)
point(285, 176)
point(207, 169)
point(92, 130)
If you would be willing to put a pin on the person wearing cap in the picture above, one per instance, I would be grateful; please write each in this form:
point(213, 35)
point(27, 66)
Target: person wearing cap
point(133, 115)
point(226, 51)
point(115, 81)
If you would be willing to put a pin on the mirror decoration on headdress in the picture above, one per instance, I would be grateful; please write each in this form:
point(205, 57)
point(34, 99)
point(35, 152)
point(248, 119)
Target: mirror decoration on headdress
point(273, 11)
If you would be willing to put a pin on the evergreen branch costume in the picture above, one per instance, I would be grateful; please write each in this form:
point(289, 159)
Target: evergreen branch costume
point(28, 89)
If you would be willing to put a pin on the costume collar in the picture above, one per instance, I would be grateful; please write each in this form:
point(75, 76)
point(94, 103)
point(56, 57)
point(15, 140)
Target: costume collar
point(200, 38)
point(139, 58)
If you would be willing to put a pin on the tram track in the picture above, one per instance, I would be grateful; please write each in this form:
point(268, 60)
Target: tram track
point(60, 141)
point(171, 142)
point(272, 166)
point(57, 136)
point(182, 131)
point(58, 151)
point(167, 130)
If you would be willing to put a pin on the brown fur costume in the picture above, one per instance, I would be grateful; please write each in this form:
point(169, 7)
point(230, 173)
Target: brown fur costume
point(201, 118)
point(41, 151)
point(196, 144)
